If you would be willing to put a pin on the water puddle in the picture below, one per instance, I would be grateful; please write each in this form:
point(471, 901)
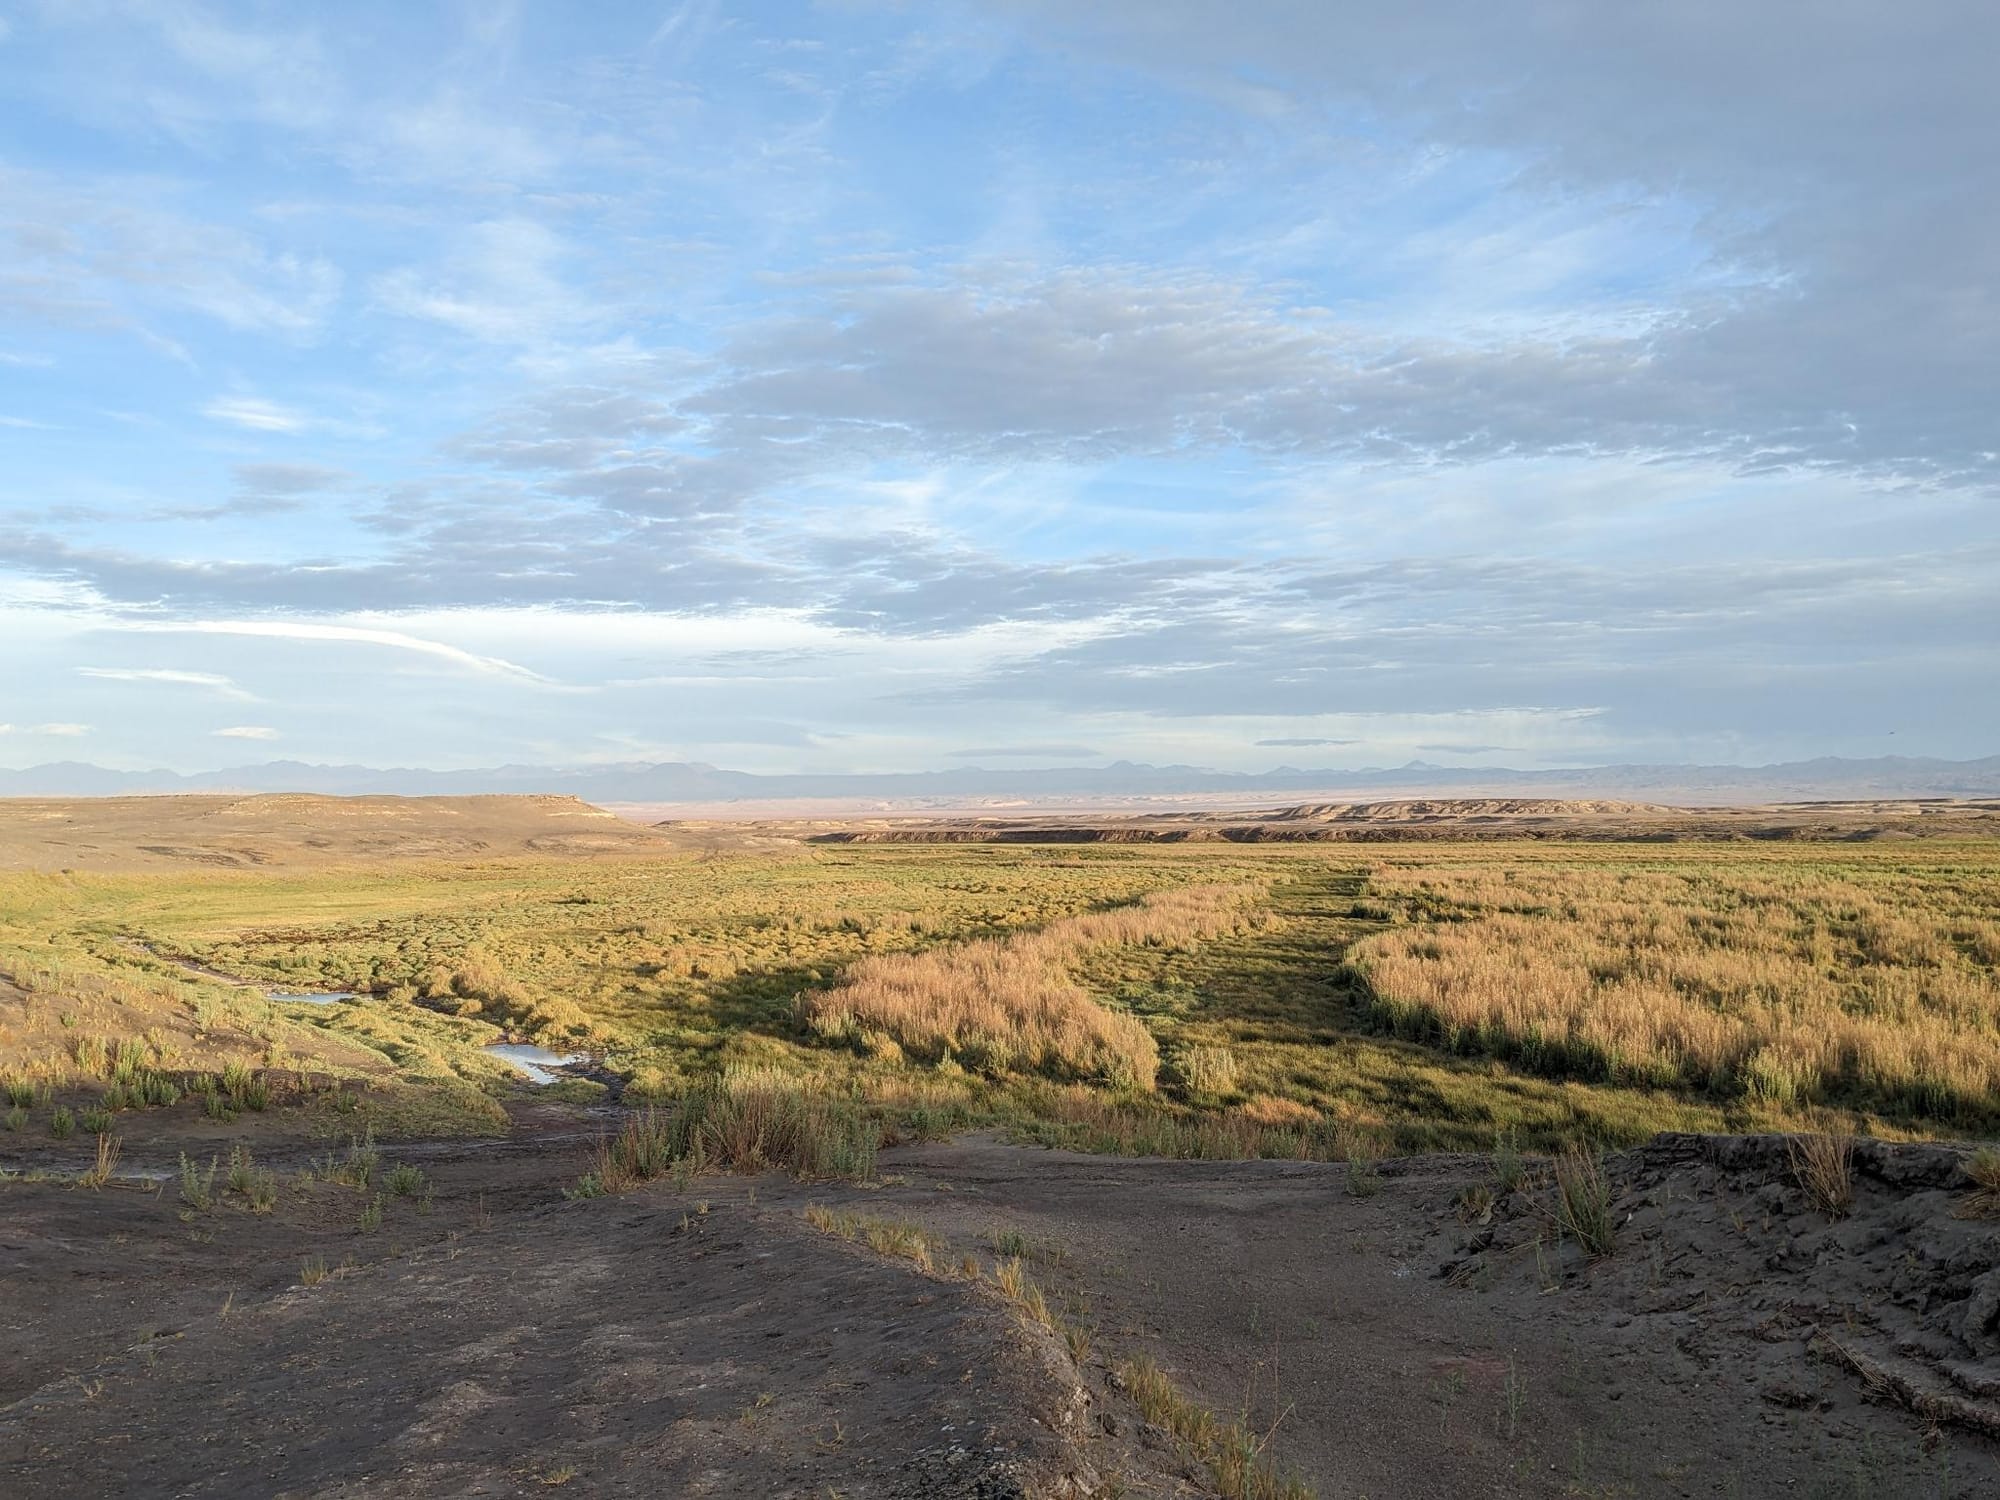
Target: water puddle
point(536, 1064)
point(299, 997)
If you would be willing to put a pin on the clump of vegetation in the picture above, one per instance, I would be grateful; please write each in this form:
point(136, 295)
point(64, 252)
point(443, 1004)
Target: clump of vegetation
point(891, 1237)
point(1583, 1201)
point(357, 1168)
point(1509, 1166)
point(100, 1171)
point(1011, 1005)
point(1207, 1070)
point(1235, 1455)
point(257, 1186)
point(1781, 982)
point(404, 1180)
point(197, 1186)
point(1823, 1164)
point(747, 1121)
point(62, 1124)
point(1982, 1171)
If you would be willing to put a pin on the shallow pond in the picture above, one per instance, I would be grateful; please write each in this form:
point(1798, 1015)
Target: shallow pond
point(299, 997)
point(537, 1064)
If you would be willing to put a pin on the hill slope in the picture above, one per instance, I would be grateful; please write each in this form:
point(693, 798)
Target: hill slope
point(122, 833)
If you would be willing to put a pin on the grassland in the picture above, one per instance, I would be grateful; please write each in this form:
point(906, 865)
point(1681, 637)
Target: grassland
point(1193, 1001)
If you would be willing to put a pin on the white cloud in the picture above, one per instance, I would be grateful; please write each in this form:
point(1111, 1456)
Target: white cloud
point(214, 681)
point(60, 731)
point(255, 413)
point(246, 732)
point(491, 666)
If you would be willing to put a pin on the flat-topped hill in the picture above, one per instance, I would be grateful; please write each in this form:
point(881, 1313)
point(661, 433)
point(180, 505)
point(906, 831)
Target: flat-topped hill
point(284, 829)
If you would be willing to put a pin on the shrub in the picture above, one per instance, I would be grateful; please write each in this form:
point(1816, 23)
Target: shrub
point(404, 1180)
point(62, 1124)
point(197, 1187)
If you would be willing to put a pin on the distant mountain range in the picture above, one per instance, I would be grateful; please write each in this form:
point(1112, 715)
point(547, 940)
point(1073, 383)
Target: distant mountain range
point(692, 782)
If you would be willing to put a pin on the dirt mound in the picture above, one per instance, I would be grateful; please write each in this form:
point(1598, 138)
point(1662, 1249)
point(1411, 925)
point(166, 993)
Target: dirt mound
point(1720, 1252)
point(221, 832)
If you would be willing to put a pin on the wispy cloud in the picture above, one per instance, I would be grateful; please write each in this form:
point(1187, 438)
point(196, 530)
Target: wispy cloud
point(214, 682)
point(395, 640)
point(246, 732)
point(256, 414)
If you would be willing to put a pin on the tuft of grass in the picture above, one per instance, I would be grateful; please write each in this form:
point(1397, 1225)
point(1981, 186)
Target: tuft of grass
point(1823, 1163)
point(256, 1185)
point(358, 1170)
point(1982, 1170)
point(371, 1215)
point(312, 1270)
point(106, 1163)
point(589, 1185)
point(1207, 1070)
point(1363, 1151)
point(892, 1237)
point(95, 1121)
point(1583, 1201)
point(1509, 1166)
point(15, 1118)
point(62, 1124)
point(747, 1121)
point(1235, 1454)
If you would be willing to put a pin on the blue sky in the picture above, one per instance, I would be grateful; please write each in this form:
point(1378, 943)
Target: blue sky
point(853, 386)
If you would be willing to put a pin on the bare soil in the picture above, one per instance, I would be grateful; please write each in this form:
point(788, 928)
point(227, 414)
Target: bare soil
point(502, 1340)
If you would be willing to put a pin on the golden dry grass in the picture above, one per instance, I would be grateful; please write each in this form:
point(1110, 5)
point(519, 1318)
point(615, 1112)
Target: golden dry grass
point(1823, 1164)
point(1784, 982)
point(1013, 1005)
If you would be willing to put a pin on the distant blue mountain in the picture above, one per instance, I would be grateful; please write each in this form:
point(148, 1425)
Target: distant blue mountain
point(683, 781)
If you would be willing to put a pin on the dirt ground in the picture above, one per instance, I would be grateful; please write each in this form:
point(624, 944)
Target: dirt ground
point(491, 1337)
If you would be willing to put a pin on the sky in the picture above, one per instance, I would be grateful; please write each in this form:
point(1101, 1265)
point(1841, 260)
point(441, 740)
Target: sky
point(864, 386)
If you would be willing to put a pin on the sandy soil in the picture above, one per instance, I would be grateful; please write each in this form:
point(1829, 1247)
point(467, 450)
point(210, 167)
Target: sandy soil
point(506, 1340)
